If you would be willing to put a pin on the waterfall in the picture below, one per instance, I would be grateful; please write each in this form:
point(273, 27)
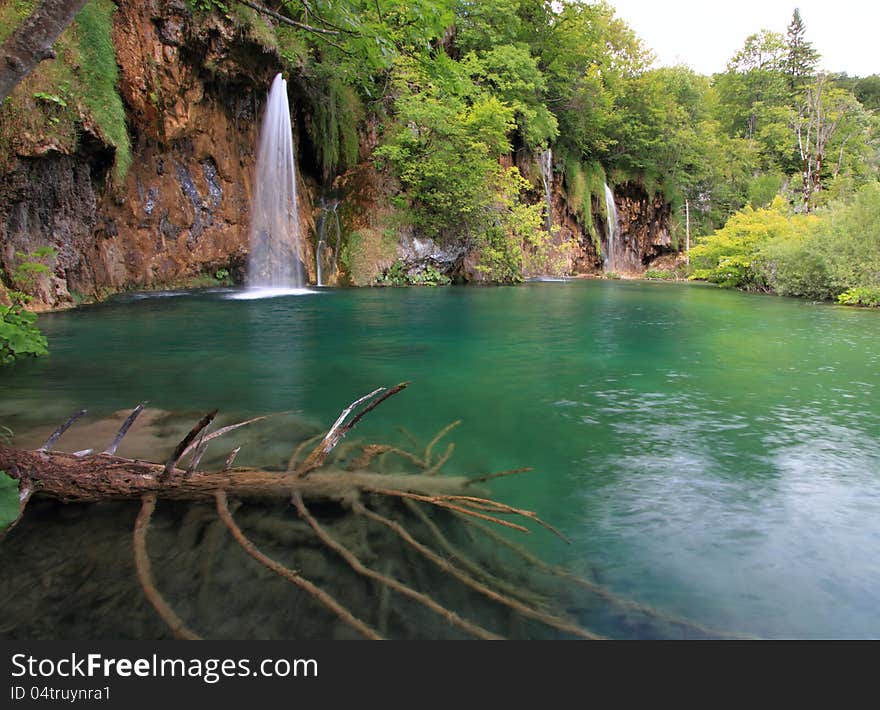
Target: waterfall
point(547, 177)
point(274, 259)
point(613, 247)
point(331, 207)
point(319, 247)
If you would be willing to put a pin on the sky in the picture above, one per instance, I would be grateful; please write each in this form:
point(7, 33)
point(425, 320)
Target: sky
point(705, 34)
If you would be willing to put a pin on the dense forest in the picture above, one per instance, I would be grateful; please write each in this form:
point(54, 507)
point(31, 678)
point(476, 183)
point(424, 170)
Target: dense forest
point(455, 112)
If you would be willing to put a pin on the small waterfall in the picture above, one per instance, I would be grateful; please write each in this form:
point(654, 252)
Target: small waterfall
point(613, 247)
point(319, 247)
point(547, 177)
point(274, 259)
point(330, 207)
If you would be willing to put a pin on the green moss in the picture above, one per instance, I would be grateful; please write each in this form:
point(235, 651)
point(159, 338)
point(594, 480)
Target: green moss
point(100, 75)
point(583, 180)
point(254, 26)
point(366, 254)
point(335, 116)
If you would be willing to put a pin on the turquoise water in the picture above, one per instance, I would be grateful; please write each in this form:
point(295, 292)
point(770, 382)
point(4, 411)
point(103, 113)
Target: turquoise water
point(713, 454)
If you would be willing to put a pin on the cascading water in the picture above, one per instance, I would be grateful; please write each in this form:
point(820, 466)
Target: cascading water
point(331, 208)
point(547, 177)
point(274, 259)
point(613, 247)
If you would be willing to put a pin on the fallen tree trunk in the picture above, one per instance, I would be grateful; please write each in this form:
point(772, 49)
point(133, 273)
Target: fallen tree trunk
point(76, 479)
point(85, 477)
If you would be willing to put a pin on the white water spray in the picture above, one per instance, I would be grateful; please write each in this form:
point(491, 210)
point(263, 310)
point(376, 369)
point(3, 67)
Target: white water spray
point(613, 247)
point(274, 259)
point(327, 208)
point(547, 177)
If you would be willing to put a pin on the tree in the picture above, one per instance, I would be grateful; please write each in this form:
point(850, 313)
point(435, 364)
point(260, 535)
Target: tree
point(31, 43)
point(753, 83)
point(820, 114)
point(800, 59)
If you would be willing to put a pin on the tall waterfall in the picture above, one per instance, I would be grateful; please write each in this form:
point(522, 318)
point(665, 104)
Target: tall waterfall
point(274, 259)
point(547, 177)
point(613, 247)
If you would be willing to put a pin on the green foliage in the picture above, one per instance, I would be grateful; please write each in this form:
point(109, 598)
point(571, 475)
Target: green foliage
point(851, 241)
point(819, 256)
point(510, 73)
point(51, 98)
point(19, 335)
point(731, 256)
point(398, 275)
point(366, 254)
point(9, 503)
point(660, 275)
point(763, 188)
point(794, 264)
point(336, 113)
point(861, 296)
point(515, 241)
point(444, 147)
point(100, 74)
point(208, 6)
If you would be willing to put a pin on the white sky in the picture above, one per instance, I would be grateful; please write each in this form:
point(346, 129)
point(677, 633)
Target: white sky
point(705, 34)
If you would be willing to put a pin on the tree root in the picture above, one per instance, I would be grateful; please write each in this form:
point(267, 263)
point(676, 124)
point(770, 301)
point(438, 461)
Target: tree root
point(290, 575)
point(142, 564)
point(389, 582)
point(528, 611)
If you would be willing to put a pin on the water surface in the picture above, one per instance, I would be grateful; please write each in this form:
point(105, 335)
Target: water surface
point(713, 454)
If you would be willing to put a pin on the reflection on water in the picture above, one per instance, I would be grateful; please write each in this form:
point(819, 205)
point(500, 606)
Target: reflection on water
point(710, 453)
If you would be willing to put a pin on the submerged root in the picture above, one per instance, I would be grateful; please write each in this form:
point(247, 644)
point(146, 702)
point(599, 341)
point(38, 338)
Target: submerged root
point(145, 576)
point(436, 578)
point(290, 575)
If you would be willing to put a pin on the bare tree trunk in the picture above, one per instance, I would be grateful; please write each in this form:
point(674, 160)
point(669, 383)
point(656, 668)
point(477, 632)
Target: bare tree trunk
point(32, 42)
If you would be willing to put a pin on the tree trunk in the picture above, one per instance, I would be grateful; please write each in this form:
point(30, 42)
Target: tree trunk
point(76, 479)
point(32, 41)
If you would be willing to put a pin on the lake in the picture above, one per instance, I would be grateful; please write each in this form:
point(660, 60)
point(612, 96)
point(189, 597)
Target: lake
point(710, 453)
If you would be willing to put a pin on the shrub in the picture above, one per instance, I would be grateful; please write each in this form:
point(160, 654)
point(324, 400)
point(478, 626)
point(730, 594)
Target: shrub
point(19, 335)
point(660, 274)
point(861, 296)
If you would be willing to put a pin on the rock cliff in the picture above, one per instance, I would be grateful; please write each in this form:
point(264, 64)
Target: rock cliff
point(192, 89)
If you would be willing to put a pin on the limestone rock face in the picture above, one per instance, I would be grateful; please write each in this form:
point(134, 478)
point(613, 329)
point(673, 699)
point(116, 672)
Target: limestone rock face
point(193, 89)
point(193, 96)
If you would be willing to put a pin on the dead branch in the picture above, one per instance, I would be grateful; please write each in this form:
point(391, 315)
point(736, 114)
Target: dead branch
point(339, 429)
point(186, 441)
point(286, 20)
point(501, 474)
point(123, 430)
point(466, 562)
point(50, 442)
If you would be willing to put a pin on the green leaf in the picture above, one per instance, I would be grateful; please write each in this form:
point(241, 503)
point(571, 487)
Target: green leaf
point(8, 500)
